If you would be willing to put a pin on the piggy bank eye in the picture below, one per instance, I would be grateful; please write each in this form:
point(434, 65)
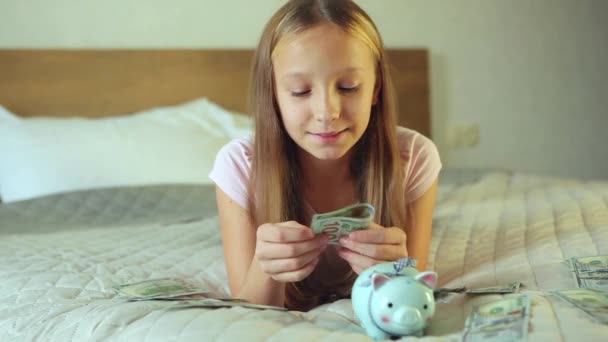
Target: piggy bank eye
point(390, 305)
point(426, 306)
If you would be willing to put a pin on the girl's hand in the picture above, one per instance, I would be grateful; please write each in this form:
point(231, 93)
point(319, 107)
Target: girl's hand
point(288, 251)
point(364, 248)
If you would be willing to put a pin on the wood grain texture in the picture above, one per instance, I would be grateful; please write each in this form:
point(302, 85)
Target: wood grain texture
point(97, 83)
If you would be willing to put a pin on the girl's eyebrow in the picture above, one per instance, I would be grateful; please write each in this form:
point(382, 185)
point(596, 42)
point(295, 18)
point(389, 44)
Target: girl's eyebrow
point(298, 74)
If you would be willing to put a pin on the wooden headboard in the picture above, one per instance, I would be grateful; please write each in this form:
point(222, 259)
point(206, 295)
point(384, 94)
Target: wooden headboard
point(95, 83)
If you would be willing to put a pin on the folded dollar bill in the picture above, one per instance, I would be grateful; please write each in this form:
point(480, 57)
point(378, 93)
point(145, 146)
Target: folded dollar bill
point(343, 221)
point(507, 288)
point(216, 303)
point(450, 290)
point(590, 272)
point(182, 295)
point(502, 320)
point(161, 288)
point(592, 302)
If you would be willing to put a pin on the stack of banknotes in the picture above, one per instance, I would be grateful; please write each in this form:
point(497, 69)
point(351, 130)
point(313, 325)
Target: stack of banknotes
point(590, 272)
point(181, 294)
point(502, 320)
point(444, 294)
point(591, 278)
point(343, 221)
point(507, 319)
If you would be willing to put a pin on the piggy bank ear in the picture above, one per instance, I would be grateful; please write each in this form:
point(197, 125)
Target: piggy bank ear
point(428, 278)
point(378, 279)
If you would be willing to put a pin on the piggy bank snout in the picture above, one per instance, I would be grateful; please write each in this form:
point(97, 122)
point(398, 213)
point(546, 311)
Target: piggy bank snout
point(408, 316)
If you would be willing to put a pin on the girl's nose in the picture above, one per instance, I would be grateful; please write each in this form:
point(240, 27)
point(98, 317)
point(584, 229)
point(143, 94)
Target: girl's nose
point(327, 107)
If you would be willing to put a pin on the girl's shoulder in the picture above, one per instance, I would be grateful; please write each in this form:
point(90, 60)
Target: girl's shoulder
point(412, 143)
point(232, 168)
point(238, 150)
point(421, 160)
point(234, 158)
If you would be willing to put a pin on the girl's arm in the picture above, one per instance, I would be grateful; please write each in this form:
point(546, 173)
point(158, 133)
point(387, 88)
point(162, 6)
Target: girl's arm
point(419, 236)
point(246, 278)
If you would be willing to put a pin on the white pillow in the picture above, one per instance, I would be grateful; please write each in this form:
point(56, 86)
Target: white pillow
point(177, 144)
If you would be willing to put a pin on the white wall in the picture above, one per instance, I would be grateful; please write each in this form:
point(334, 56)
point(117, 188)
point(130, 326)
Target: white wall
point(532, 73)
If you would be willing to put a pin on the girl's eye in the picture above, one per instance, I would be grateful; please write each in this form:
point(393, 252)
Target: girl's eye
point(349, 89)
point(300, 93)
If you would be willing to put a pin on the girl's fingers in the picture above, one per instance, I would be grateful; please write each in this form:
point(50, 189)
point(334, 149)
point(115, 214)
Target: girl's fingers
point(374, 250)
point(284, 232)
point(273, 250)
point(356, 260)
point(392, 236)
point(297, 275)
point(289, 265)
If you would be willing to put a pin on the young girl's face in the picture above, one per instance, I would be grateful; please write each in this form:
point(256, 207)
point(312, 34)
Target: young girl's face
point(325, 85)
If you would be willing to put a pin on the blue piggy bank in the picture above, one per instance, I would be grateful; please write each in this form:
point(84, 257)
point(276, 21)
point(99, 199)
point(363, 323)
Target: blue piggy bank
point(393, 299)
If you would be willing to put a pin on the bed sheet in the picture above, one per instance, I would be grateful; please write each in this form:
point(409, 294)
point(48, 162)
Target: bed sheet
point(496, 228)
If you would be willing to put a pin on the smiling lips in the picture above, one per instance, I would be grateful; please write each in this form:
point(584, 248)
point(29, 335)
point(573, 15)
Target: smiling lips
point(329, 137)
point(329, 134)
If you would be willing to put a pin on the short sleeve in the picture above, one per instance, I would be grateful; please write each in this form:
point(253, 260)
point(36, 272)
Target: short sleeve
point(422, 162)
point(232, 169)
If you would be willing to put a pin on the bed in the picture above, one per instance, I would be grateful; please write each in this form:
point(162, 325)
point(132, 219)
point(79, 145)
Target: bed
point(69, 233)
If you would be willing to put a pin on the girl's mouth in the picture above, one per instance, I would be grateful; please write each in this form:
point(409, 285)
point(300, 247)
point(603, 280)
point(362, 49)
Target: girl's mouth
point(328, 137)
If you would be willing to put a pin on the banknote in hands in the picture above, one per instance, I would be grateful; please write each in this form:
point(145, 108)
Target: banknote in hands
point(592, 302)
point(343, 221)
point(502, 320)
point(590, 272)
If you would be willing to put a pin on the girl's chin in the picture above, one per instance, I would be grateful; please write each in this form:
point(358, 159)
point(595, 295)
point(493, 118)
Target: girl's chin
point(327, 154)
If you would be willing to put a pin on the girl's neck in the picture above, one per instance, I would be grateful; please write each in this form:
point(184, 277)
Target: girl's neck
point(324, 173)
point(327, 184)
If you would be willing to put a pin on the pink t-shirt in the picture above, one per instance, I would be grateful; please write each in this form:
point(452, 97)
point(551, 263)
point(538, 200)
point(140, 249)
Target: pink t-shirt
point(232, 166)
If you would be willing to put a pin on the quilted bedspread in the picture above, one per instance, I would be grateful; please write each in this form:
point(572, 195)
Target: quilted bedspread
point(59, 263)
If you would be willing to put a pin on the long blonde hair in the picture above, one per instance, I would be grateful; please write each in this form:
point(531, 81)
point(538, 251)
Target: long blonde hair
point(376, 163)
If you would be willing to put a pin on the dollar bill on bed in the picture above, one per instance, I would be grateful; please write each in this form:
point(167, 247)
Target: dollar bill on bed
point(450, 290)
point(592, 302)
point(161, 288)
point(502, 320)
point(590, 272)
point(506, 288)
point(343, 221)
point(216, 303)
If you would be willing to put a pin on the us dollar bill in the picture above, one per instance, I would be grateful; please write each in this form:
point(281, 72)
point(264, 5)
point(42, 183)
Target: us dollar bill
point(182, 294)
point(592, 302)
point(590, 272)
point(502, 320)
point(161, 288)
point(507, 288)
point(216, 303)
point(343, 221)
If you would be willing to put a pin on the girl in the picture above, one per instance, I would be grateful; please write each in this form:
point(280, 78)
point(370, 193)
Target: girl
point(325, 137)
